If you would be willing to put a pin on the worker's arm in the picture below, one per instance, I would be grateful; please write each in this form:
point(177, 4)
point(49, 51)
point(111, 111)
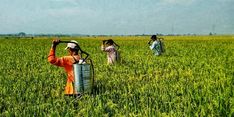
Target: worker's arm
point(103, 47)
point(52, 58)
point(149, 43)
point(108, 49)
point(153, 45)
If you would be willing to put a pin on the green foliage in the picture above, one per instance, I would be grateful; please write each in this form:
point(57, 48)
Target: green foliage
point(194, 77)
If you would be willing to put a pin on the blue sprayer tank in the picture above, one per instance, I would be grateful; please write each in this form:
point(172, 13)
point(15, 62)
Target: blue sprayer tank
point(83, 78)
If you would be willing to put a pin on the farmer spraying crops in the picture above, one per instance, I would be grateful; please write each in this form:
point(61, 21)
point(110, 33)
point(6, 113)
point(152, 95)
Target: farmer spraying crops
point(109, 46)
point(66, 62)
point(157, 46)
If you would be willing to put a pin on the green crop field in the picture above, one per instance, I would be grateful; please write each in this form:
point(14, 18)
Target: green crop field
point(194, 77)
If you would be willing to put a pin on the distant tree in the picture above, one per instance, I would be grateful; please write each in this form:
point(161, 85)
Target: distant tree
point(22, 34)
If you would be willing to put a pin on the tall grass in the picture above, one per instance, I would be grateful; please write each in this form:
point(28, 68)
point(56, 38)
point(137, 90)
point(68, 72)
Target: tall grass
point(195, 77)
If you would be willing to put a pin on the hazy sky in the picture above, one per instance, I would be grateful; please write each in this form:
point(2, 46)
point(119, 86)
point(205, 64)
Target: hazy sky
point(117, 16)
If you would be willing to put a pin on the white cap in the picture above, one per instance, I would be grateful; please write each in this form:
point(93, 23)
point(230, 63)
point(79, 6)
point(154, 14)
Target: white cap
point(72, 45)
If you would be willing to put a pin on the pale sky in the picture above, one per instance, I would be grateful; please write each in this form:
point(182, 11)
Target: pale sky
point(120, 17)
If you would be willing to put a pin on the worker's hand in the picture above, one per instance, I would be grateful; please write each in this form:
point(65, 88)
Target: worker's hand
point(149, 42)
point(103, 41)
point(55, 42)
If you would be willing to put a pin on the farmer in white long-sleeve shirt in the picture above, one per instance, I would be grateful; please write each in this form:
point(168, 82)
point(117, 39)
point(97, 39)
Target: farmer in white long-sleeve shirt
point(109, 46)
point(155, 46)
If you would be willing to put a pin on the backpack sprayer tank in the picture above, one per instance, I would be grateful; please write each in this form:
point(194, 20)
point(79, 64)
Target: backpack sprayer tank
point(83, 73)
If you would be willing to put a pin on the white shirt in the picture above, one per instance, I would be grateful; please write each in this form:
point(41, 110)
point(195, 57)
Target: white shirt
point(155, 46)
point(111, 53)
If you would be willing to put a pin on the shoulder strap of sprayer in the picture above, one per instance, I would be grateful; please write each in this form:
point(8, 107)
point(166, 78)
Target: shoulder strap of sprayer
point(75, 60)
point(83, 52)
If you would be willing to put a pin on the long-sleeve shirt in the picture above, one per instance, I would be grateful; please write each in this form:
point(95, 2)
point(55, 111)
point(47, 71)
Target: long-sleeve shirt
point(67, 63)
point(156, 48)
point(111, 53)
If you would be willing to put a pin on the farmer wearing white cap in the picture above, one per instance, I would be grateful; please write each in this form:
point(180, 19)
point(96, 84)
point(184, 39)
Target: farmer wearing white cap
point(66, 62)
